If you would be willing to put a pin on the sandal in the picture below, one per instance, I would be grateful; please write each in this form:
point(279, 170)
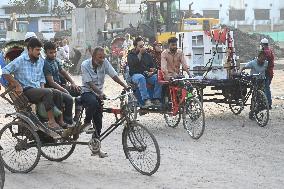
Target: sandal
point(64, 125)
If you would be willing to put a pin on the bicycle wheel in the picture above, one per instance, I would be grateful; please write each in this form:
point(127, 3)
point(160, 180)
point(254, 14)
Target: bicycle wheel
point(20, 147)
point(2, 175)
point(194, 118)
point(236, 106)
point(141, 148)
point(260, 108)
point(57, 152)
point(131, 107)
point(171, 120)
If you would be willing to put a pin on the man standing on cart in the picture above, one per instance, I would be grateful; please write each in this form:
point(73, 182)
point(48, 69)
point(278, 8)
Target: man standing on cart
point(93, 77)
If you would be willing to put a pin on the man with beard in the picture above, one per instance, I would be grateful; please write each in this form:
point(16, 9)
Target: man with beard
point(94, 71)
point(142, 71)
point(29, 80)
point(171, 60)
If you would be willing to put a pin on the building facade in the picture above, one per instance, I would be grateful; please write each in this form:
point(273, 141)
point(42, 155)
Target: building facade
point(247, 15)
point(129, 6)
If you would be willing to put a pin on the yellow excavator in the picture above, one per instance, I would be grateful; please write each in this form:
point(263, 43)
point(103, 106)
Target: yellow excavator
point(162, 19)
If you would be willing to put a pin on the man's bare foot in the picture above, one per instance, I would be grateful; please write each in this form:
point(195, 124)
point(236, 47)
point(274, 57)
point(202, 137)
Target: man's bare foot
point(54, 126)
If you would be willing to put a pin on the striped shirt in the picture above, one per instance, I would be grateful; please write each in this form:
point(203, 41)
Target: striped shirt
point(27, 73)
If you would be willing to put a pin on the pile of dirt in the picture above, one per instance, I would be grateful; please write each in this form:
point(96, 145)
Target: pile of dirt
point(247, 45)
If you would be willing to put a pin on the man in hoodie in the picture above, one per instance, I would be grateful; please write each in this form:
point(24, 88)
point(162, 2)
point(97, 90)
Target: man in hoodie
point(142, 71)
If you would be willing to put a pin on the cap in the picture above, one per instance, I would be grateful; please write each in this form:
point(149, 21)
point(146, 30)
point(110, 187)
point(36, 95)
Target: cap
point(264, 41)
point(30, 35)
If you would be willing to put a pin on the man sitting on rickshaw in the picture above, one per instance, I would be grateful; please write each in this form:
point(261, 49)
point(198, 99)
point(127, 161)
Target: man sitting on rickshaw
point(29, 80)
point(142, 71)
point(53, 70)
point(171, 60)
point(94, 71)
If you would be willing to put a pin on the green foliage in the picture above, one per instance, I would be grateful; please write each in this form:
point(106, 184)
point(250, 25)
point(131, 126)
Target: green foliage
point(29, 6)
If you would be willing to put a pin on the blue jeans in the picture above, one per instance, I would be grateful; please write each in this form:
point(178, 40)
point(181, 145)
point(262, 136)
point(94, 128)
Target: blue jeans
point(141, 82)
point(268, 91)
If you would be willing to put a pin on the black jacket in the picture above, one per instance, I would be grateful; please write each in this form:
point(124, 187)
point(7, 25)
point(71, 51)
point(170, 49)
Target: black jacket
point(139, 67)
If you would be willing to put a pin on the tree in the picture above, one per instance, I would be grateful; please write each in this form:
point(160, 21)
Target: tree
point(29, 6)
point(41, 6)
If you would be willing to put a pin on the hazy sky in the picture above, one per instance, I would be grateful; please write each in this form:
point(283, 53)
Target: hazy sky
point(184, 4)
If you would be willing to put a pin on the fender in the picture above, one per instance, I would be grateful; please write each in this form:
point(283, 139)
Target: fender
point(23, 117)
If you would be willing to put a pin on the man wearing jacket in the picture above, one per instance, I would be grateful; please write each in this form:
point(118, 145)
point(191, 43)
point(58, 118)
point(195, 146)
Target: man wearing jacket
point(142, 71)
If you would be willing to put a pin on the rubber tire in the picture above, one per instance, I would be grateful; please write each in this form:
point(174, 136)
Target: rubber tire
point(35, 135)
point(261, 93)
point(203, 119)
point(176, 123)
point(60, 158)
point(126, 152)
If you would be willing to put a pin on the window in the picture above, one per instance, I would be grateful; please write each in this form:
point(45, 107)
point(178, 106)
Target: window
point(211, 14)
point(130, 1)
point(62, 24)
point(281, 14)
point(261, 14)
point(235, 14)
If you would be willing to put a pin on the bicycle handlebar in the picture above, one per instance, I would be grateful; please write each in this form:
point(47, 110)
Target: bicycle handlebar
point(124, 93)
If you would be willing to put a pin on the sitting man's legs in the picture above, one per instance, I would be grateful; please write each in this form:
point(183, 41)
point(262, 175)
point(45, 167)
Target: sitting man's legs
point(153, 80)
point(59, 98)
point(78, 107)
point(37, 95)
point(140, 81)
point(93, 111)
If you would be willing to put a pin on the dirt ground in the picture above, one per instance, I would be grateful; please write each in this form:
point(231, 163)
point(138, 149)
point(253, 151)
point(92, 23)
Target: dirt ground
point(234, 152)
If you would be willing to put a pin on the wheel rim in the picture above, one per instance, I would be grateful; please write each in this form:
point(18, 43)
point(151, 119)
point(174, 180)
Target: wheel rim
point(236, 106)
point(193, 118)
point(57, 153)
point(132, 107)
point(261, 109)
point(142, 150)
point(20, 148)
point(171, 120)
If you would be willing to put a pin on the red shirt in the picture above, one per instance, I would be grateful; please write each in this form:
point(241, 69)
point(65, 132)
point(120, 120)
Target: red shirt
point(270, 58)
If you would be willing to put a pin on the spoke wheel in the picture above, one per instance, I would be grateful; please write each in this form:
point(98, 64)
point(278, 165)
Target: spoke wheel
point(260, 108)
point(131, 107)
point(141, 148)
point(194, 118)
point(236, 106)
point(171, 120)
point(55, 151)
point(20, 147)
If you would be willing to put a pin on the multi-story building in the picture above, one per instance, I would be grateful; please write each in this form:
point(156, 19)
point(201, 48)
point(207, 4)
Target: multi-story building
point(129, 6)
point(248, 15)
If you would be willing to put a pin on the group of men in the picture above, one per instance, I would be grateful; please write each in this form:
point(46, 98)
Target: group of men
point(143, 67)
point(40, 78)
